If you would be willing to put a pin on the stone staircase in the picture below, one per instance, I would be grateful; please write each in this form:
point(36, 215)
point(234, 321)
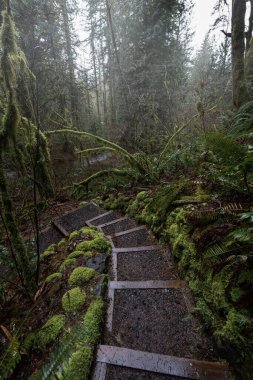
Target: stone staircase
point(151, 332)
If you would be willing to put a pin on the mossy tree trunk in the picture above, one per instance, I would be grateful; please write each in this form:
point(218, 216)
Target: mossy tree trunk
point(24, 267)
point(238, 50)
point(11, 60)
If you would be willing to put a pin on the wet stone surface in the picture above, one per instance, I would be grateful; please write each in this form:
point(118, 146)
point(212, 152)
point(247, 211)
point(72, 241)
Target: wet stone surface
point(120, 373)
point(144, 266)
point(157, 321)
point(105, 219)
point(123, 225)
point(77, 219)
point(134, 239)
point(97, 263)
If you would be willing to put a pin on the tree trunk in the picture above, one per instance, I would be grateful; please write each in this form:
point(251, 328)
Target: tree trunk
point(249, 31)
point(70, 61)
point(238, 51)
point(93, 52)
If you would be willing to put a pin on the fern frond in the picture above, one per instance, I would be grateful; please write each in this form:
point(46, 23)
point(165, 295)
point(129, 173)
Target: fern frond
point(232, 208)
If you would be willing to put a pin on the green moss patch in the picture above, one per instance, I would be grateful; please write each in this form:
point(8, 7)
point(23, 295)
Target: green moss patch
point(73, 300)
point(68, 263)
point(79, 364)
point(78, 367)
point(81, 275)
point(53, 277)
point(77, 254)
point(51, 329)
point(99, 244)
point(48, 252)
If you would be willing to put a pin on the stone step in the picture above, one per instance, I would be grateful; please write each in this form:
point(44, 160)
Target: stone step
point(118, 225)
point(170, 284)
point(49, 236)
point(156, 264)
point(77, 219)
point(103, 218)
point(155, 363)
point(138, 236)
point(155, 316)
point(136, 249)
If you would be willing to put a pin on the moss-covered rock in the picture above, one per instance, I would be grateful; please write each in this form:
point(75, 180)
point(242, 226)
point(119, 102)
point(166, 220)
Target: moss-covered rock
point(76, 254)
point(78, 367)
point(68, 263)
point(119, 202)
point(48, 252)
point(73, 300)
point(53, 277)
point(81, 275)
point(74, 234)
point(94, 241)
point(99, 244)
point(50, 330)
point(92, 321)
point(177, 232)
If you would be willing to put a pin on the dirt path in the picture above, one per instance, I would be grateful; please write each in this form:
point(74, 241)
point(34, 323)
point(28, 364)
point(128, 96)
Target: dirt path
point(151, 332)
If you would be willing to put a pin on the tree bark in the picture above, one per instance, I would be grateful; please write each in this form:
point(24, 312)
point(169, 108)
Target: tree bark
point(250, 29)
point(70, 61)
point(238, 50)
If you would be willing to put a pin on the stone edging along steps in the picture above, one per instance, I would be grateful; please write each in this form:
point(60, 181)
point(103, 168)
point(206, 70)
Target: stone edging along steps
point(150, 331)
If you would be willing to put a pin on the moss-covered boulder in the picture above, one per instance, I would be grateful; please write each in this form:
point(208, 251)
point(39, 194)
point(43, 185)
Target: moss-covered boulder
point(81, 275)
point(73, 300)
point(48, 252)
point(50, 330)
point(79, 253)
point(68, 263)
point(79, 365)
point(53, 277)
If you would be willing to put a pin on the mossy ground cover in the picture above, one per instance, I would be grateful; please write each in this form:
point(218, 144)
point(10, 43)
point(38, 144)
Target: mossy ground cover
point(58, 330)
point(213, 248)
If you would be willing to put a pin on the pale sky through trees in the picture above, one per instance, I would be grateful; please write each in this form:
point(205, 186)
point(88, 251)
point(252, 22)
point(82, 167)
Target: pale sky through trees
point(202, 20)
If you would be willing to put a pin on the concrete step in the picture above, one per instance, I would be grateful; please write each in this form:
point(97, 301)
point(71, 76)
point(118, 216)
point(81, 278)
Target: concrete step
point(156, 264)
point(118, 225)
point(154, 316)
point(77, 218)
point(138, 236)
point(103, 218)
point(125, 358)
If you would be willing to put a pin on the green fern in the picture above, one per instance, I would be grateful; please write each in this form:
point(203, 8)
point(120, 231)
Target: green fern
point(10, 359)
